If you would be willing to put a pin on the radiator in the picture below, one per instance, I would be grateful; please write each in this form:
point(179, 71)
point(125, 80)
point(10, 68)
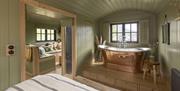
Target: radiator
point(175, 80)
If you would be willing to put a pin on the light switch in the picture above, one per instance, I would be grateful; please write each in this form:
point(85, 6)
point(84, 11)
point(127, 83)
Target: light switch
point(10, 50)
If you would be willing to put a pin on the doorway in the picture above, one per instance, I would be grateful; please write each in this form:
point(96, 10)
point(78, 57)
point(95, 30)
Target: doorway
point(71, 36)
point(68, 39)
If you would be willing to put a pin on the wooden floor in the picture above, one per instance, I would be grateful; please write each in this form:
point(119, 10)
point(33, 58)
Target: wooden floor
point(86, 81)
point(123, 80)
point(94, 84)
point(58, 70)
point(102, 78)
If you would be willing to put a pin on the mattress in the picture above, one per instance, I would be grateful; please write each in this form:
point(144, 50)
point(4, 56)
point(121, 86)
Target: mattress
point(50, 82)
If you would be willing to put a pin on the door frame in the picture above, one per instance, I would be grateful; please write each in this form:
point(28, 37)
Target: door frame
point(22, 29)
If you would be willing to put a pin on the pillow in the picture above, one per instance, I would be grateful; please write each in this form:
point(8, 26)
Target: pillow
point(55, 45)
point(46, 48)
point(42, 51)
point(59, 46)
point(51, 47)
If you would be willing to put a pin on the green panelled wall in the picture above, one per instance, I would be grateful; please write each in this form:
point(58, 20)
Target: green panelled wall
point(30, 33)
point(4, 30)
point(169, 54)
point(9, 34)
point(31, 30)
point(85, 43)
point(147, 25)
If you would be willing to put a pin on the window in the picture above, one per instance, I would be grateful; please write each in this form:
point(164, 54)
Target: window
point(124, 31)
point(45, 34)
point(40, 34)
point(50, 34)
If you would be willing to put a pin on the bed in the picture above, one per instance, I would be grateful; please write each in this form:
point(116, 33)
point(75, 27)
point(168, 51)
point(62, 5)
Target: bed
point(50, 82)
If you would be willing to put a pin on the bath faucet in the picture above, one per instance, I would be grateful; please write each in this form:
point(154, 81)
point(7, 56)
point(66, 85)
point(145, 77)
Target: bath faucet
point(123, 43)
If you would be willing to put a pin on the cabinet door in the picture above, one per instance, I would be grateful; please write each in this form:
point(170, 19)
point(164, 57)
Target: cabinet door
point(4, 60)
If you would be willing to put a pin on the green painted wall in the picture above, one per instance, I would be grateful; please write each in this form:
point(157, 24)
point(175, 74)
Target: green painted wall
point(169, 54)
point(30, 33)
point(85, 43)
point(9, 34)
point(31, 30)
point(147, 25)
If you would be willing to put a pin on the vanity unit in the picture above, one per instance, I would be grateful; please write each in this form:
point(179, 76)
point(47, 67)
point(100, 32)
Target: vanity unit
point(124, 59)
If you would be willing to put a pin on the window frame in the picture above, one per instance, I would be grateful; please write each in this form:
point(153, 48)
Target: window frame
point(123, 32)
point(50, 34)
point(40, 34)
point(46, 34)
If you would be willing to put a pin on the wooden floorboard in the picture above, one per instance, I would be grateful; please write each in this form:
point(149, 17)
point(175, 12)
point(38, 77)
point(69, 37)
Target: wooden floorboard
point(124, 80)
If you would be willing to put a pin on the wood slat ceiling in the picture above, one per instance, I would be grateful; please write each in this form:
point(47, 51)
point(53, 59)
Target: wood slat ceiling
point(39, 15)
point(96, 9)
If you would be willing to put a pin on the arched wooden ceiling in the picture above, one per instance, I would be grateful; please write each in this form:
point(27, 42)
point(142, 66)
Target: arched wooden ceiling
point(96, 9)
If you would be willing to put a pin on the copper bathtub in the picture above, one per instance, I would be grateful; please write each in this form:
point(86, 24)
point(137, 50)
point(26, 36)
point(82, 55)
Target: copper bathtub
point(124, 59)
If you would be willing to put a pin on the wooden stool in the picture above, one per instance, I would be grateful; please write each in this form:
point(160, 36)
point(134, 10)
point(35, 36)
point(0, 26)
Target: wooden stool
point(155, 70)
point(146, 68)
point(152, 67)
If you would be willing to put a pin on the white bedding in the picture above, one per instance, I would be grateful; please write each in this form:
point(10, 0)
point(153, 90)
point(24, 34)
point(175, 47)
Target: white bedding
point(50, 82)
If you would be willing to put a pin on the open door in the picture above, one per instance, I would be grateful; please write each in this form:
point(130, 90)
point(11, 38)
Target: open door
point(68, 49)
